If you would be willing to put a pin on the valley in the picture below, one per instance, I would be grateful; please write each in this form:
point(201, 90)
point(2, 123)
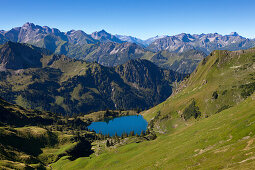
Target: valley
point(196, 129)
point(72, 100)
point(207, 122)
point(60, 84)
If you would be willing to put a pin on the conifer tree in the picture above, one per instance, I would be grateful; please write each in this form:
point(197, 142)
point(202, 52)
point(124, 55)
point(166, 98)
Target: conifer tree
point(107, 143)
point(142, 133)
point(132, 133)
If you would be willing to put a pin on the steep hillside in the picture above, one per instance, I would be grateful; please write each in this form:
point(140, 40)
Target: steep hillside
point(113, 54)
point(20, 56)
point(60, 84)
point(183, 62)
point(149, 78)
point(222, 80)
point(222, 141)
point(208, 123)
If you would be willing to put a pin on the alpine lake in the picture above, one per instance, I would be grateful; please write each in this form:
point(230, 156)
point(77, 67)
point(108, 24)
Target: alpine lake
point(120, 125)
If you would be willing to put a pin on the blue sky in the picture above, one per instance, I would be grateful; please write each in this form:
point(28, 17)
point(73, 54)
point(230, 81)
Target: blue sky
point(139, 18)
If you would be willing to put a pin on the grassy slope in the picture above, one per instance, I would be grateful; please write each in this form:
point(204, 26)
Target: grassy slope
point(34, 139)
point(223, 71)
point(32, 146)
point(222, 140)
point(187, 61)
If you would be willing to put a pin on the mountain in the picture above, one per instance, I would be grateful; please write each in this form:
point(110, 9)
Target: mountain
point(152, 39)
point(113, 54)
point(104, 36)
point(182, 62)
point(138, 41)
point(20, 56)
point(203, 42)
point(102, 47)
point(79, 38)
point(131, 39)
point(37, 79)
point(49, 38)
point(144, 75)
point(180, 53)
point(207, 123)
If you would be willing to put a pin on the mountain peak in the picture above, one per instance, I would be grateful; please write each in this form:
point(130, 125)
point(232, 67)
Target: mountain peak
point(234, 34)
point(103, 31)
point(105, 36)
point(29, 24)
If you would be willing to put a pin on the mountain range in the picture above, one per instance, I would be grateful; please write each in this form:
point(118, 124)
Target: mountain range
point(113, 50)
point(203, 42)
point(36, 78)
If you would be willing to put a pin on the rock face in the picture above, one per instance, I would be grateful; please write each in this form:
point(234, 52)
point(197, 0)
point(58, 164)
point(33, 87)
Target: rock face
point(144, 75)
point(37, 79)
point(101, 46)
point(79, 37)
point(113, 54)
point(203, 42)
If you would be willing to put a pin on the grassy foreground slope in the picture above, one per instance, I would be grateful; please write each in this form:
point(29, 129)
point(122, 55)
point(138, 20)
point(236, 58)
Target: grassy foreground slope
point(221, 90)
point(224, 140)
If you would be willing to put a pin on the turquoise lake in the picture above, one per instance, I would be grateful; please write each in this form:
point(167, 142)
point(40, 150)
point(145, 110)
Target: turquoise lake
point(120, 125)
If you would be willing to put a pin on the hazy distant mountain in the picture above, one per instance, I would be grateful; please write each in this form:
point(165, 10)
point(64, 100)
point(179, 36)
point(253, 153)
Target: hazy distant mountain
point(152, 39)
point(145, 43)
point(203, 42)
point(131, 39)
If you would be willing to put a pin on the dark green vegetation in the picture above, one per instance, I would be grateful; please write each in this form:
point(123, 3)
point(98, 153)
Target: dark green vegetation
point(221, 137)
point(191, 111)
point(35, 78)
point(30, 138)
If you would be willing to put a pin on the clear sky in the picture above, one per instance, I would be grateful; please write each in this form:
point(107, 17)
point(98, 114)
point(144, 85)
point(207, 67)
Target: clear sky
point(139, 18)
